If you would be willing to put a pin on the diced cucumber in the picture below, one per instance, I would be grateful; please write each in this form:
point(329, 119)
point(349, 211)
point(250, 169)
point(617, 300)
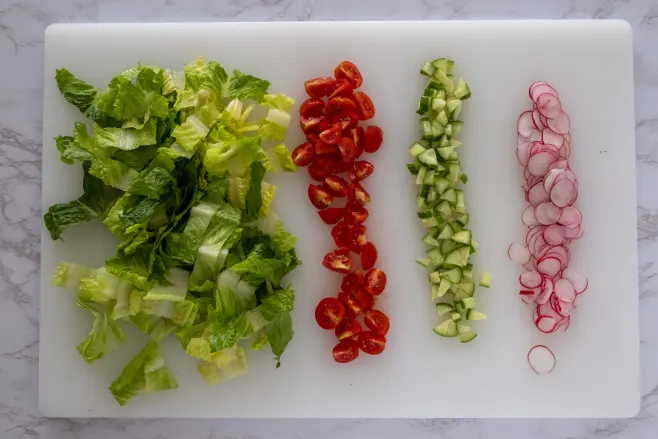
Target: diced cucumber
point(417, 149)
point(440, 63)
point(420, 177)
point(435, 256)
point(431, 195)
point(456, 127)
point(420, 201)
point(425, 262)
point(426, 129)
point(448, 130)
point(425, 214)
point(438, 104)
point(424, 190)
point(444, 141)
point(454, 275)
point(443, 308)
point(429, 176)
point(444, 286)
point(452, 105)
point(430, 240)
point(444, 208)
point(463, 219)
point(450, 196)
point(428, 69)
point(442, 184)
point(458, 257)
point(468, 272)
point(472, 314)
point(462, 237)
point(413, 168)
point(455, 143)
point(460, 199)
point(485, 280)
point(450, 65)
point(435, 277)
point(455, 316)
point(447, 247)
point(441, 77)
point(463, 178)
point(456, 227)
point(446, 329)
point(462, 91)
point(468, 303)
point(466, 285)
point(437, 129)
point(466, 335)
point(423, 105)
point(442, 118)
point(445, 151)
point(446, 232)
point(428, 157)
point(430, 222)
point(454, 169)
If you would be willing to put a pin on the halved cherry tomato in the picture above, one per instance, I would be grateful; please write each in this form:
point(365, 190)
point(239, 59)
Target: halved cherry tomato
point(361, 170)
point(368, 254)
point(339, 233)
point(356, 239)
point(342, 166)
point(374, 282)
point(322, 148)
point(318, 173)
point(356, 214)
point(311, 123)
point(365, 105)
point(319, 87)
point(348, 328)
point(371, 342)
point(331, 135)
point(319, 197)
point(340, 104)
point(346, 351)
point(312, 107)
point(339, 261)
point(336, 186)
point(377, 321)
point(357, 194)
point(356, 134)
point(332, 215)
point(303, 154)
point(350, 72)
point(351, 302)
point(373, 139)
point(346, 119)
point(347, 149)
point(366, 300)
point(352, 282)
point(341, 87)
point(329, 312)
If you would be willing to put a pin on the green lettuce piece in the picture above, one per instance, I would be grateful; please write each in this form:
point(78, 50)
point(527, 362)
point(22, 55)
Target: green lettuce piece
point(258, 267)
point(134, 268)
point(83, 96)
point(141, 98)
point(126, 139)
point(279, 333)
point(172, 81)
point(278, 101)
point(267, 192)
point(196, 127)
point(104, 336)
point(175, 292)
point(137, 158)
point(156, 180)
point(259, 342)
point(237, 191)
point(233, 157)
point(67, 275)
point(282, 241)
point(214, 374)
point(254, 200)
point(186, 248)
point(144, 373)
point(180, 313)
point(222, 335)
point(157, 328)
point(243, 87)
point(101, 287)
point(122, 304)
point(275, 303)
point(113, 173)
point(284, 158)
point(69, 150)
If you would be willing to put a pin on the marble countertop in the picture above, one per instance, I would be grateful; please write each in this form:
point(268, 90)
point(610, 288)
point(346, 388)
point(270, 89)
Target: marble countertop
point(22, 24)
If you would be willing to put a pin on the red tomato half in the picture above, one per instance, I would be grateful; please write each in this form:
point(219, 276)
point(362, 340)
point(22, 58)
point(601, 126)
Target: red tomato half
point(374, 282)
point(373, 139)
point(331, 135)
point(347, 149)
point(377, 321)
point(339, 261)
point(303, 154)
point(346, 351)
point(357, 194)
point(352, 282)
point(365, 105)
point(351, 302)
point(339, 232)
point(341, 87)
point(312, 107)
point(356, 214)
point(340, 104)
point(345, 119)
point(350, 72)
point(356, 239)
point(319, 87)
point(310, 124)
point(371, 342)
point(348, 328)
point(368, 254)
point(319, 197)
point(329, 313)
point(332, 215)
point(366, 300)
point(336, 186)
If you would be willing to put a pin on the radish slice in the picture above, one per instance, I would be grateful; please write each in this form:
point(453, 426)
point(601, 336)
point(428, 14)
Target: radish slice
point(565, 291)
point(565, 308)
point(570, 218)
point(546, 290)
point(528, 217)
point(536, 119)
point(541, 359)
point(523, 152)
point(549, 266)
point(560, 123)
point(530, 279)
point(550, 178)
point(540, 89)
point(562, 193)
point(533, 85)
point(538, 164)
point(518, 253)
point(559, 164)
point(548, 105)
point(550, 137)
point(524, 124)
point(546, 310)
point(578, 281)
point(553, 235)
point(545, 324)
point(547, 213)
point(572, 233)
point(537, 194)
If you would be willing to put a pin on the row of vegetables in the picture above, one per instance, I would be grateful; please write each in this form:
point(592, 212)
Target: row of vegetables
point(175, 168)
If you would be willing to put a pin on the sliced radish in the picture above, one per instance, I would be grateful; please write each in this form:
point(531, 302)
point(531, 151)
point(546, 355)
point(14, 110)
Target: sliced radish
point(549, 266)
point(531, 265)
point(550, 178)
point(536, 119)
point(528, 217)
point(553, 235)
point(565, 291)
point(518, 253)
point(547, 213)
point(572, 233)
point(550, 137)
point(570, 218)
point(541, 359)
point(542, 89)
point(578, 281)
point(547, 288)
point(533, 85)
point(565, 308)
point(563, 193)
point(548, 105)
point(524, 124)
point(530, 279)
point(523, 152)
point(546, 310)
point(560, 123)
point(545, 324)
point(538, 164)
point(565, 151)
point(537, 194)
point(560, 163)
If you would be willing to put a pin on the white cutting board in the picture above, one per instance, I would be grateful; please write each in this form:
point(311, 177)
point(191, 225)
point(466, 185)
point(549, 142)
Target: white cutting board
point(419, 374)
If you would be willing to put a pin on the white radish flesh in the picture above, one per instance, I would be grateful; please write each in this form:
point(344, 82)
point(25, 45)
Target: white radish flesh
point(530, 279)
point(548, 105)
point(545, 324)
point(518, 253)
point(578, 281)
point(570, 217)
point(528, 216)
point(549, 266)
point(550, 137)
point(547, 288)
point(550, 178)
point(537, 194)
point(541, 359)
point(562, 193)
point(565, 291)
point(524, 124)
point(553, 235)
point(540, 89)
point(538, 164)
point(547, 213)
point(536, 119)
point(560, 123)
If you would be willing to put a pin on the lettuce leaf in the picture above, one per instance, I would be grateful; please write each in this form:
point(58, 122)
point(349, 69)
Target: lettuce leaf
point(242, 86)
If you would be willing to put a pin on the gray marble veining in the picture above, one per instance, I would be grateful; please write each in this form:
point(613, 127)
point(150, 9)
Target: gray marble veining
point(22, 23)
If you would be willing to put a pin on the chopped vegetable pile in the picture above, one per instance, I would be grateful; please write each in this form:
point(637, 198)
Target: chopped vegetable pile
point(174, 167)
point(543, 149)
point(441, 206)
point(334, 143)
